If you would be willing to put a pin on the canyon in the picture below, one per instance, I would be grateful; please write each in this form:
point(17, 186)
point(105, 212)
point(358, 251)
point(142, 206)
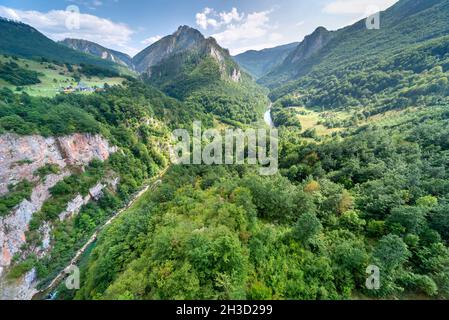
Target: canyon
point(20, 157)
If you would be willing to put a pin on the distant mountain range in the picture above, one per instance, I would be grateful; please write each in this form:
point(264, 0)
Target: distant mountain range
point(99, 51)
point(406, 23)
point(259, 63)
point(167, 58)
point(182, 56)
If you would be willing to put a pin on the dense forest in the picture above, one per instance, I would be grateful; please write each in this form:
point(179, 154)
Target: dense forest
point(120, 114)
point(379, 196)
point(202, 84)
point(374, 191)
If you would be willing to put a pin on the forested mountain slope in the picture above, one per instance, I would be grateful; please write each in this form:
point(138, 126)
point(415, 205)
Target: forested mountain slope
point(373, 191)
point(21, 40)
point(393, 67)
point(187, 66)
point(259, 63)
point(376, 197)
point(69, 164)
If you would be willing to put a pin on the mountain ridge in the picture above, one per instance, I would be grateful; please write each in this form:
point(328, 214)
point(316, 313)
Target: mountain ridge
point(22, 40)
point(355, 42)
point(259, 62)
point(98, 50)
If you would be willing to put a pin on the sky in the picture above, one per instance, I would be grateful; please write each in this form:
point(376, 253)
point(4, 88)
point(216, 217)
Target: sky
point(238, 25)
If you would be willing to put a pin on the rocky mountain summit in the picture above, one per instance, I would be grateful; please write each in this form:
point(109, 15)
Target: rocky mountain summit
point(187, 46)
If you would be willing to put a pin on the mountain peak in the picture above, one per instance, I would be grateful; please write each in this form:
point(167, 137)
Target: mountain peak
point(185, 28)
point(311, 44)
point(184, 39)
point(320, 29)
point(188, 31)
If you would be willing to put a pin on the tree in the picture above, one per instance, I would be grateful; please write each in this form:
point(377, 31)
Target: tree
point(391, 252)
point(411, 219)
point(307, 227)
point(439, 220)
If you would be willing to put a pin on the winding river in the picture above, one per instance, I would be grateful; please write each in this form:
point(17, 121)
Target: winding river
point(56, 281)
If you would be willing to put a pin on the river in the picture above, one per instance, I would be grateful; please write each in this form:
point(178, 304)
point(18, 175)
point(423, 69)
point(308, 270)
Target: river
point(48, 292)
point(44, 293)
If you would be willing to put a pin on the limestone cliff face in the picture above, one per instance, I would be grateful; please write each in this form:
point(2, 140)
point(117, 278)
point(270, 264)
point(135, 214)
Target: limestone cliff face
point(14, 225)
point(20, 157)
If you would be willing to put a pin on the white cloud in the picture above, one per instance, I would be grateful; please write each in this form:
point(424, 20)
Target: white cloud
point(357, 6)
point(251, 31)
point(53, 24)
point(204, 21)
point(233, 15)
point(151, 40)
point(210, 18)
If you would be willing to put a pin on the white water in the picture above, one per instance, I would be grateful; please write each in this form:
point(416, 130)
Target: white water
point(267, 117)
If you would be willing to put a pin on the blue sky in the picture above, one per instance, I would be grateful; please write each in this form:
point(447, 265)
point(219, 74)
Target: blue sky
point(239, 25)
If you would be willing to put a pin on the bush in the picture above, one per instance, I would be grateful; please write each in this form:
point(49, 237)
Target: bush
point(15, 196)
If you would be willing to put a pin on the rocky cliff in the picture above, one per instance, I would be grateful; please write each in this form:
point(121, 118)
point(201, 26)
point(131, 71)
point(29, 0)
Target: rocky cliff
point(186, 46)
point(20, 157)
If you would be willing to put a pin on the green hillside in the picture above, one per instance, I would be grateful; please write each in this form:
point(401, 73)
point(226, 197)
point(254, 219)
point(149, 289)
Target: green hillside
point(47, 79)
point(196, 70)
point(21, 40)
point(405, 63)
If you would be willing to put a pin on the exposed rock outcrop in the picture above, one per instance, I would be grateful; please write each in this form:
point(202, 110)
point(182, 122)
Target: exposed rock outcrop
point(174, 51)
point(20, 157)
point(76, 204)
point(310, 45)
point(20, 289)
point(14, 226)
point(236, 75)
